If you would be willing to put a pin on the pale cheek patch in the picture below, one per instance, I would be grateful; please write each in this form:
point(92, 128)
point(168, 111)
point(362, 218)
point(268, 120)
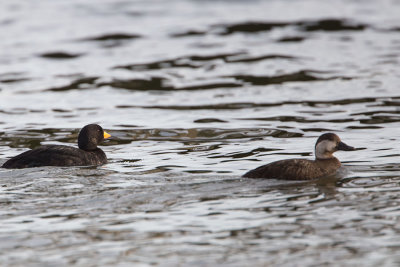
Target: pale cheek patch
point(324, 149)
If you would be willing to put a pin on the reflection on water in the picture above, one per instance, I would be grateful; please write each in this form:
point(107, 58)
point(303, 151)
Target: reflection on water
point(196, 93)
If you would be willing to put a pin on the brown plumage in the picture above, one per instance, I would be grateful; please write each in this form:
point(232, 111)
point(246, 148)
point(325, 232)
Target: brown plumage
point(325, 163)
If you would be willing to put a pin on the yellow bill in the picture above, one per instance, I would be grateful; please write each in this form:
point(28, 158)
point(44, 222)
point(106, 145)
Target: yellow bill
point(106, 135)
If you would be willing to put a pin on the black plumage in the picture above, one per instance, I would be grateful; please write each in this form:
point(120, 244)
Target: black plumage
point(88, 154)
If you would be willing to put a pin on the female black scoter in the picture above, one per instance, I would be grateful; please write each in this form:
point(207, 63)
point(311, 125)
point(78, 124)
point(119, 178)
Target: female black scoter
point(302, 169)
point(88, 154)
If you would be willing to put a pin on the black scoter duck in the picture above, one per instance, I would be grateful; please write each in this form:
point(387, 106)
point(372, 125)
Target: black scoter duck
point(88, 154)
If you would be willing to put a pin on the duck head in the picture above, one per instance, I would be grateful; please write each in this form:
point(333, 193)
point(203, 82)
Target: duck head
point(90, 136)
point(329, 143)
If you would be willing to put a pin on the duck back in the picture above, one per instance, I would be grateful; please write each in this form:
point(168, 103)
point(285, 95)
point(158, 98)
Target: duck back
point(296, 169)
point(56, 155)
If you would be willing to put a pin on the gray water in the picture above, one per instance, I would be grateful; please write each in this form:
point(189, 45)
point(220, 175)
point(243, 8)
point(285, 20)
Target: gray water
point(196, 93)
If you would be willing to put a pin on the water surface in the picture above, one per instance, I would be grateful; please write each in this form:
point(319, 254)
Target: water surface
point(196, 93)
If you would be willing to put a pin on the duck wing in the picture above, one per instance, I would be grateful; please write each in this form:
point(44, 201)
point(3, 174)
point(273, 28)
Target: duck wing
point(56, 155)
point(290, 169)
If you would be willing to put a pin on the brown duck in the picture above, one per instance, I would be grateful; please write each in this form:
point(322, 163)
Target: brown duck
point(302, 169)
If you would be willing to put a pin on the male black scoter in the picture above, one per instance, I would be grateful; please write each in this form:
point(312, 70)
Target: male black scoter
point(88, 154)
point(325, 163)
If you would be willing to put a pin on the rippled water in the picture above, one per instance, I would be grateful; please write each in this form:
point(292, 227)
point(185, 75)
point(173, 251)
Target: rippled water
point(195, 93)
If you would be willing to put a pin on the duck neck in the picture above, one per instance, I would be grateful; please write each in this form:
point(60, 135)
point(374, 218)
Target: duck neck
point(86, 145)
point(325, 157)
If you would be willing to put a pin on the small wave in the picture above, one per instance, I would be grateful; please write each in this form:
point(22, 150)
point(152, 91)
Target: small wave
point(113, 37)
point(299, 76)
point(306, 25)
point(190, 61)
point(59, 55)
point(77, 84)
